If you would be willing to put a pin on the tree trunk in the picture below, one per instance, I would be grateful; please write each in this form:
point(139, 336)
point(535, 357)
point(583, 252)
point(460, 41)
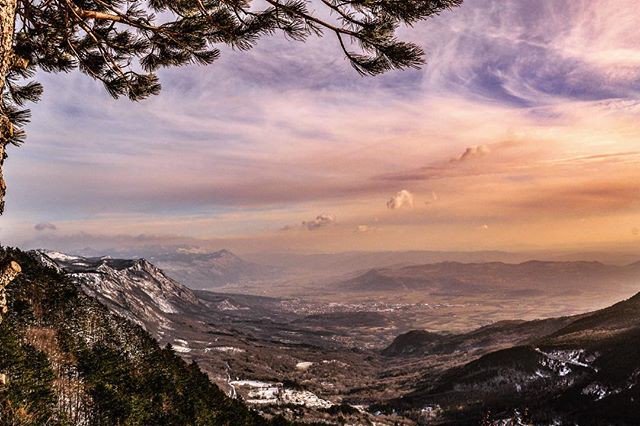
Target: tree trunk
point(8, 274)
point(7, 30)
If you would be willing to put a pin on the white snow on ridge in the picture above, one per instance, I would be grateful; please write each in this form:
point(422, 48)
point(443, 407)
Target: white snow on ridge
point(164, 305)
point(181, 346)
point(134, 289)
point(561, 361)
point(56, 255)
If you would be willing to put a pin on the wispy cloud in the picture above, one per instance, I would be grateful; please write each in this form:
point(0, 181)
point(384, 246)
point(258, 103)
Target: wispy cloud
point(537, 102)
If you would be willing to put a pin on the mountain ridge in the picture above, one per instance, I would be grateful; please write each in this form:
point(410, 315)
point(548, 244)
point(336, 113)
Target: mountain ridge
point(70, 360)
point(134, 288)
point(585, 371)
point(458, 277)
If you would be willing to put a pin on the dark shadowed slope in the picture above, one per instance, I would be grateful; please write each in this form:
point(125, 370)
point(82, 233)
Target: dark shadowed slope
point(500, 334)
point(585, 372)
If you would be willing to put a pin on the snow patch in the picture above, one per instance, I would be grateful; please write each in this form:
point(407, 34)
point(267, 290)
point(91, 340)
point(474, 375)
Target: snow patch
point(562, 362)
point(162, 303)
point(230, 349)
point(304, 365)
point(596, 390)
point(56, 255)
point(181, 349)
point(226, 305)
point(263, 393)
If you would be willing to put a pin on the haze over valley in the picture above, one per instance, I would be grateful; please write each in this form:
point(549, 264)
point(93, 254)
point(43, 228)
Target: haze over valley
point(469, 289)
point(370, 344)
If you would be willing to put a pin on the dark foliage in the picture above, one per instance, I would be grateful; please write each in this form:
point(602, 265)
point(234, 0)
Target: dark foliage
point(123, 44)
point(70, 361)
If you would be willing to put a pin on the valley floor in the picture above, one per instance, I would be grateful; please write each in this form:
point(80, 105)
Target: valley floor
point(313, 353)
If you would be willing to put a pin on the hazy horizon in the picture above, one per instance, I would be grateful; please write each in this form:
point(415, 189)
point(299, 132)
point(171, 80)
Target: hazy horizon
point(618, 256)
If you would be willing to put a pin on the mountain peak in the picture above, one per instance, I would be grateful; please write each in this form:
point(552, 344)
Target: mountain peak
point(145, 265)
point(226, 253)
point(134, 288)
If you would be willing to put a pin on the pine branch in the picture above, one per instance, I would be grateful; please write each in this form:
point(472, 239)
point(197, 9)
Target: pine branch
point(93, 14)
point(112, 40)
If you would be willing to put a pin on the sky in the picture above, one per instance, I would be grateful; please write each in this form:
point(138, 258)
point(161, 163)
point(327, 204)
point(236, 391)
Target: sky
point(521, 132)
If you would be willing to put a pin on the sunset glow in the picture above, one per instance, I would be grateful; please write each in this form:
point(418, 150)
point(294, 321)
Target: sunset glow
point(521, 132)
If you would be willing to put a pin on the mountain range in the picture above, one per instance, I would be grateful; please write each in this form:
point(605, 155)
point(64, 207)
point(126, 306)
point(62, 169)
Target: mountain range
point(311, 362)
point(531, 277)
point(211, 270)
point(132, 288)
point(344, 262)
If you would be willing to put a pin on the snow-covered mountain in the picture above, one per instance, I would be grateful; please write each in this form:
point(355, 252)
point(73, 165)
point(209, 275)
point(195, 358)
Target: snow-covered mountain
point(133, 288)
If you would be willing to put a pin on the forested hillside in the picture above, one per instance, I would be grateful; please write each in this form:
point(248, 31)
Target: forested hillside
point(69, 361)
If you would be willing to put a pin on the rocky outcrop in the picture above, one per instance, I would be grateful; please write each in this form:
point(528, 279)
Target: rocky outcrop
point(133, 288)
point(8, 274)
